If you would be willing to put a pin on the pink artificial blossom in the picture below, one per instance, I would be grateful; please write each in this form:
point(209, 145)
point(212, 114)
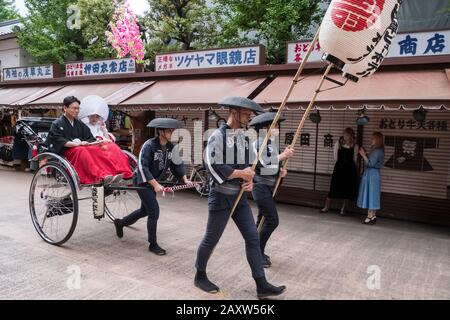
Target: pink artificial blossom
point(124, 36)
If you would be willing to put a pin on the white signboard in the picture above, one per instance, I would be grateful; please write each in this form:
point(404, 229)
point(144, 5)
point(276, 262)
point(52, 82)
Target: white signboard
point(421, 44)
point(297, 52)
point(101, 67)
point(434, 43)
point(215, 58)
point(28, 73)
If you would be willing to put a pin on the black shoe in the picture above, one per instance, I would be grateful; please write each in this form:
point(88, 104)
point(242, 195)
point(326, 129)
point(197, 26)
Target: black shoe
point(156, 249)
point(202, 282)
point(119, 227)
point(266, 261)
point(266, 290)
point(370, 221)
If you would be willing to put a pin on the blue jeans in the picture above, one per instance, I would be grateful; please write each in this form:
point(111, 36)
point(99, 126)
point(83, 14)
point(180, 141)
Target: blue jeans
point(219, 206)
point(150, 209)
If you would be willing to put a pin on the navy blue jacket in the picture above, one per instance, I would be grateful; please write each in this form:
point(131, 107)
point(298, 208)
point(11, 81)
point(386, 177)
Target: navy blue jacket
point(152, 162)
point(224, 154)
point(268, 165)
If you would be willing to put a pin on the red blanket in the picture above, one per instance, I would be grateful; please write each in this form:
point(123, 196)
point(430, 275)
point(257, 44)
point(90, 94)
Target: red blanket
point(93, 163)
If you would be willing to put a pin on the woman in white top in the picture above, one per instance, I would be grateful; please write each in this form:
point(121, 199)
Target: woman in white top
point(344, 181)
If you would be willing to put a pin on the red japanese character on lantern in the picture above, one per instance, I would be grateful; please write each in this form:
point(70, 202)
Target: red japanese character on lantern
point(356, 15)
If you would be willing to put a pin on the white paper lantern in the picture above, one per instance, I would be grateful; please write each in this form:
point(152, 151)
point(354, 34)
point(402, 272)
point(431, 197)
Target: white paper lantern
point(370, 64)
point(93, 105)
point(351, 29)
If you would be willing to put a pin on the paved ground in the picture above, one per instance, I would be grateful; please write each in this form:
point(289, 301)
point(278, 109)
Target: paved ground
point(316, 256)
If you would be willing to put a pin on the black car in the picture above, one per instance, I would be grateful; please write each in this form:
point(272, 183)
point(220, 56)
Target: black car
point(30, 132)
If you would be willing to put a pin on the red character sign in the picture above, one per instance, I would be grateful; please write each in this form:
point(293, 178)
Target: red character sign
point(356, 15)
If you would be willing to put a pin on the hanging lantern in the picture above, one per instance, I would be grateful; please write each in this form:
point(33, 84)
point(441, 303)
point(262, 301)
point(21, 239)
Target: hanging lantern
point(362, 119)
point(420, 114)
point(213, 116)
point(370, 64)
point(315, 117)
point(351, 29)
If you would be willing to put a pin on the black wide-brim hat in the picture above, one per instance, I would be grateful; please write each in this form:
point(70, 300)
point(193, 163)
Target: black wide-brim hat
point(241, 102)
point(265, 119)
point(165, 123)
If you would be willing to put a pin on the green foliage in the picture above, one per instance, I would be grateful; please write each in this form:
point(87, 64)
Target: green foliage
point(8, 10)
point(45, 35)
point(95, 16)
point(57, 31)
point(175, 25)
point(269, 22)
point(170, 25)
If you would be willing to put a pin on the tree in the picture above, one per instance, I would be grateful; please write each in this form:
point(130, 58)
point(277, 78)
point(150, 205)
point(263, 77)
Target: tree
point(7, 10)
point(269, 22)
point(175, 25)
point(45, 35)
point(57, 31)
point(95, 17)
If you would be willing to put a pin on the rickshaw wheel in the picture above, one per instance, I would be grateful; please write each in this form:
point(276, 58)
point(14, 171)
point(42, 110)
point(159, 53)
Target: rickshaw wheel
point(53, 203)
point(202, 178)
point(121, 202)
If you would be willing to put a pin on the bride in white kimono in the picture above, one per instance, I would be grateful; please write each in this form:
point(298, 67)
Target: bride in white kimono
point(98, 128)
point(103, 159)
point(94, 112)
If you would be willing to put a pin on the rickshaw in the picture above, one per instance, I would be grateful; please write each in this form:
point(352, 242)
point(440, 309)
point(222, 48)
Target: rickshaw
point(55, 189)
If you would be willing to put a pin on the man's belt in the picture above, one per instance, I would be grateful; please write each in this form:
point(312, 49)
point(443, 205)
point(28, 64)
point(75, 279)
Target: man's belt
point(226, 188)
point(269, 180)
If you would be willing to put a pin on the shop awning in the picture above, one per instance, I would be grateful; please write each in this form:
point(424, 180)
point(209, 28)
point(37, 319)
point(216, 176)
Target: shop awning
point(113, 93)
point(21, 96)
point(389, 90)
point(193, 92)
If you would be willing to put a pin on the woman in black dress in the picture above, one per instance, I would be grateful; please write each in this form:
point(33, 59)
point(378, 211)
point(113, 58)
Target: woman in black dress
point(344, 181)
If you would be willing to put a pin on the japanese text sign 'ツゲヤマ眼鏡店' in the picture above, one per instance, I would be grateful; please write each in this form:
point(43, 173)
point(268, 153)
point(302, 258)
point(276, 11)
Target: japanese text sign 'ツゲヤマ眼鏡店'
point(101, 67)
point(214, 58)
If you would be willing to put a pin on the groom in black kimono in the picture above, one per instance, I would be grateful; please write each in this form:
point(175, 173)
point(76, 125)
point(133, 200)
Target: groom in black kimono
point(67, 131)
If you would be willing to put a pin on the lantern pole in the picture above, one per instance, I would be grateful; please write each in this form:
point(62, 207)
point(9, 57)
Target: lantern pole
point(302, 123)
point(278, 115)
point(298, 131)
